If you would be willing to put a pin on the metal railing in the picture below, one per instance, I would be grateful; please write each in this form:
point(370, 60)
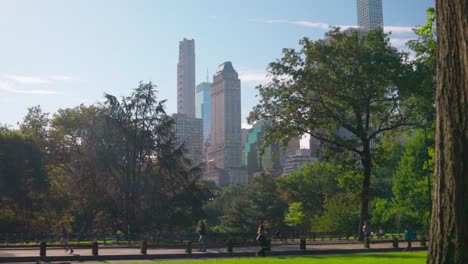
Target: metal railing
point(179, 239)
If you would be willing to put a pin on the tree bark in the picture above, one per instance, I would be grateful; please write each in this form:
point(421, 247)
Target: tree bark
point(449, 222)
point(365, 195)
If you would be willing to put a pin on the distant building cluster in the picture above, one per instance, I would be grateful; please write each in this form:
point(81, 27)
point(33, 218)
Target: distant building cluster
point(208, 119)
point(208, 125)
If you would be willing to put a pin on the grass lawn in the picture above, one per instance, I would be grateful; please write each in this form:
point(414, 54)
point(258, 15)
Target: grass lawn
point(386, 258)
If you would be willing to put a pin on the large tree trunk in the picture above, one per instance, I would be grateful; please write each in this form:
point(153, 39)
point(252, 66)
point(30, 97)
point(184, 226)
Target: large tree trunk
point(365, 194)
point(449, 223)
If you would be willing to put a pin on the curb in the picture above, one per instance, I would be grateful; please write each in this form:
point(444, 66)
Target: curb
point(205, 255)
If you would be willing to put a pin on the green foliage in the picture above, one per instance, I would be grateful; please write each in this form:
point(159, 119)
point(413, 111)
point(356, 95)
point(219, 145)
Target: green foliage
point(410, 187)
point(345, 91)
point(309, 185)
point(107, 168)
point(23, 182)
point(296, 217)
point(341, 213)
point(238, 213)
point(322, 197)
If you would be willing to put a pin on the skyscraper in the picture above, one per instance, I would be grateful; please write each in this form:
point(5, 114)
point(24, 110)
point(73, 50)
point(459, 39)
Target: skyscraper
point(369, 14)
point(225, 148)
point(189, 131)
point(203, 107)
point(186, 78)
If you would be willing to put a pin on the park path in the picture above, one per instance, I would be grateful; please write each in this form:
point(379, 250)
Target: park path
point(114, 251)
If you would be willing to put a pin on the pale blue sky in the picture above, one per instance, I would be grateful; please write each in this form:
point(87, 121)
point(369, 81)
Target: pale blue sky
point(60, 53)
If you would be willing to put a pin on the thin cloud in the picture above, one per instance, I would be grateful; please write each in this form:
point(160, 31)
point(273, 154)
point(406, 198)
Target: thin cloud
point(254, 77)
point(323, 25)
point(305, 23)
point(398, 29)
point(399, 42)
point(7, 86)
point(26, 79)
point(34, 80)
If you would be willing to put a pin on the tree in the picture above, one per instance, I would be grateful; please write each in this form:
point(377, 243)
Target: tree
point(266, 200)
point(342, 82)
point(410, 186)
point(295, 217)
point(122, 167)
point(449, 222)
point(23, 182)
point(422, 81)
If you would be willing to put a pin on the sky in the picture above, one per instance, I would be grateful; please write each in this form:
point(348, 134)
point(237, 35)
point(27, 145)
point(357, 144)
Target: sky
point(63, 53)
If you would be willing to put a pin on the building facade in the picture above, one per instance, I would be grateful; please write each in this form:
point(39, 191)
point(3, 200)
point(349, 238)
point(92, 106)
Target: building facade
point(225, 145)
point(189, 131)
point(294, 162)
point(186, 78)
point(369, 14)
point(203, 107)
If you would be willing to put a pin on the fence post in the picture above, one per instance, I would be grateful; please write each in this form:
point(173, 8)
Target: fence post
point(395, 242)
point(144, 247)
point(95, 248)
point(188, 247)
point(423, 241)
point(303, 244)
point(229, 246)
point(42, 249)
point(367, 242)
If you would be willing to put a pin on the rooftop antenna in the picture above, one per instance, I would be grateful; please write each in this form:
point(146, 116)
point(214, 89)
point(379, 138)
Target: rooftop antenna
point(207, 76)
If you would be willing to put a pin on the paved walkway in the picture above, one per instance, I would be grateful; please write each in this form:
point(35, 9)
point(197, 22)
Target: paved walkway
point(115, 253)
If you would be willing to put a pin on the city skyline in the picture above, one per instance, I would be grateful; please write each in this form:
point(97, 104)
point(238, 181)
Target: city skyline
point(60, 55)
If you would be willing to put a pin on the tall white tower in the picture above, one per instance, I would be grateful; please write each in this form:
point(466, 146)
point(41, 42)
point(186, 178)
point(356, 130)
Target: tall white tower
point(369, 14)
point(186, 78)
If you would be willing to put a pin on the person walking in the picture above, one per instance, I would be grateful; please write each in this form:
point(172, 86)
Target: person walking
point(201, 229)
point(366, 230)
point(409, 235)
point(65, 238)
point(261, 238)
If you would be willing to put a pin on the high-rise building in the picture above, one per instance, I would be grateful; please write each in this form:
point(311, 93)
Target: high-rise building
point(369, 14)
point(225, 146)
point(186, 78)
point(203, 107)
point(294, 162)
point(189, 131)
point(273, 156)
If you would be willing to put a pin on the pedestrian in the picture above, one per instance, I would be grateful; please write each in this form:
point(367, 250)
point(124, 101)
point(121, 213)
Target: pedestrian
point(409, 235)
point(261, 238)
point(381, 232)
point(366, 230)
point(65, 238)
point(201, 229)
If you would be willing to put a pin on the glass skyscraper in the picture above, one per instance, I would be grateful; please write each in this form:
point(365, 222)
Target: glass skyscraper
point(203, 107)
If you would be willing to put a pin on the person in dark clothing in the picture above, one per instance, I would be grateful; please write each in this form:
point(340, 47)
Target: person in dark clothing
point(409, 236)
point(65, 238)
point(201, 229)
point(261, 238)
point(366, 230)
